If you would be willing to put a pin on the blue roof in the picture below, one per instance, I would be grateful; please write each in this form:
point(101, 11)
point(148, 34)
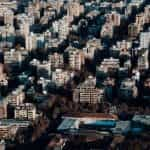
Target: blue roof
point(136, 130)
point(67, 124)
point(104, 123)
point(122, 127)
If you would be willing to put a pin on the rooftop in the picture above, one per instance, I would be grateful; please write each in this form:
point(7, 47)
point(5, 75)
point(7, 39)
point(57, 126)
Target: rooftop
point(91, 115)
point(144, 119)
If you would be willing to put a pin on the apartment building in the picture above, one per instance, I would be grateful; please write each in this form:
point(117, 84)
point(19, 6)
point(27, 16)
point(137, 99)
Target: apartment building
point(6, 131)
point(9, 128)
point(76, 58)
point(87, 92)
point(143, 62)
point(44, 69)
point(114, 18)
point(7, 14)
point(128, 89)
point(74, 9)
point(3, 108)
point(132, 30)
point(14, 58)
point(56, 60)
point(108, 65)
point(145, 39)
point(25, 111)
point(92, 46)
point(16, 97)
point(61, 77)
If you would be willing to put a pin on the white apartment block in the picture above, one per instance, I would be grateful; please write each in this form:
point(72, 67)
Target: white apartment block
point(60, 77)
point(8, 15)
point(14, 56)
point(25, 111)
point(107, 30)
point(76, 58)
point(30, 41)
point(87, 92)
point(6, 31)
point(61, 27)
point(16, 97)
point(107, 65)
point(44, 69)
point(145, 40)
point(114, 18)
point(56, 60)
point(74, 9)
point(143, 61)
point(34, 41)
point(91, 47)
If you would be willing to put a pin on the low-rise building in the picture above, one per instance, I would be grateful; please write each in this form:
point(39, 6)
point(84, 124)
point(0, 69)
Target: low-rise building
point(79, 121)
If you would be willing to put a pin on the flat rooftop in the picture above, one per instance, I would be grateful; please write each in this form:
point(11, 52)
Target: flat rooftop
point(91, 115)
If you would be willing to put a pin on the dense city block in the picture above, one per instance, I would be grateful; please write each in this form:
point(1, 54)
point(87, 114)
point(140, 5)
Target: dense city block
point(75, 74)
